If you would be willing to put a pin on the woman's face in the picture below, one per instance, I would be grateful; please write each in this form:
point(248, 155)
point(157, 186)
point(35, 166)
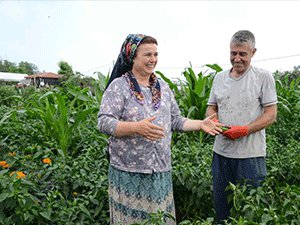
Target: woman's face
point(145, 59)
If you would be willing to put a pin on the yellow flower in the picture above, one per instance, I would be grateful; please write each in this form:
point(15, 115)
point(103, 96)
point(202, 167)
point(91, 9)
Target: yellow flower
point(20, 174)
point(46, 161)
point(75, 193)
point(12, 153)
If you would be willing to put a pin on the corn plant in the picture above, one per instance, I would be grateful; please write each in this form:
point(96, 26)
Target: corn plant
point(61, 118)
point(197, 90)
point(99, 86)
point(288, 92)
point(193, 93)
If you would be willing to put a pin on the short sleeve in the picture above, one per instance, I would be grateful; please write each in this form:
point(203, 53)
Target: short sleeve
point(269, 95)
point(212, 96)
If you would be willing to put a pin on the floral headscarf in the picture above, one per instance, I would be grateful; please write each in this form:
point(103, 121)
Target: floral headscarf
point(125, 58)
point(123, 66)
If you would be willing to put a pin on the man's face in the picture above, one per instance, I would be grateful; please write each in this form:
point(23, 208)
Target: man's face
point(240, 56)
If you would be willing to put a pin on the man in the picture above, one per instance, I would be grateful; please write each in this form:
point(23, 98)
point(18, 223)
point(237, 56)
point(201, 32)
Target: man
point(245, 100)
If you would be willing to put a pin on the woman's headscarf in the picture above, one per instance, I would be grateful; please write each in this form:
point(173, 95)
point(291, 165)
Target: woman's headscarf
point(123, 66)
point(125, 58)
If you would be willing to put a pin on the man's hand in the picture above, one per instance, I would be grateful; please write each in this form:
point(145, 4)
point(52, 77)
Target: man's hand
point(224, 128)
point(236, 132)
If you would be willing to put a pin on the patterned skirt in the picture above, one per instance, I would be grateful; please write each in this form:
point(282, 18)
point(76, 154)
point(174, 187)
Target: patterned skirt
point(133, 196)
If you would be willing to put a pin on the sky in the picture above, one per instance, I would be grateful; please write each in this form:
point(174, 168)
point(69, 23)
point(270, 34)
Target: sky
point(89, 34)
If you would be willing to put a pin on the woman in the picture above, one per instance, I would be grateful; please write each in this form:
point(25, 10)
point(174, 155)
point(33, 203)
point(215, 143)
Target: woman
point(139, 112)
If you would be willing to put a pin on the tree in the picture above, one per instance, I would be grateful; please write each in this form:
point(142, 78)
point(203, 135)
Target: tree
point(65, 69)
point(22, 67)
point(27, 68)
point(7, 66)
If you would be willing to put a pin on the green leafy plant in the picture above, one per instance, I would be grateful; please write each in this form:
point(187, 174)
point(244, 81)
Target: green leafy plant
point(72, 189)
point(266, 204)
point(61, 122)
point(192, 94)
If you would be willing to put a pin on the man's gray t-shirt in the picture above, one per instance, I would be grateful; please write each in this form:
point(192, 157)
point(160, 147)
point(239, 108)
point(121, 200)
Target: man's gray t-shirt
point(240, 101)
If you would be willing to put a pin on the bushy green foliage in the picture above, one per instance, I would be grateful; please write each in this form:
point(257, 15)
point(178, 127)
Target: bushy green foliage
point(283, 161)
point(285, 128)
point(72, 188)
point(5, 93)
point(21, 67)
point(192, 179)
point(267, 204)
point(55, 193)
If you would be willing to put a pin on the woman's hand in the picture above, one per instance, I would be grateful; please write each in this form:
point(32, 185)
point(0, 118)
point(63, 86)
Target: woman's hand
point(144, 128)
point(208, 125)
point(211, 126)
point(147, 129)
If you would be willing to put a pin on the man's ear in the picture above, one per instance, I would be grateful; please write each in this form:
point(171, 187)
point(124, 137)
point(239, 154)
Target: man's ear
point(253, 52)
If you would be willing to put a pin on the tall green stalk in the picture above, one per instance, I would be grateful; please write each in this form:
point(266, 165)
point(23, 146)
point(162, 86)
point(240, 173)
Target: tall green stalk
point(192, 93)
point(62, 118)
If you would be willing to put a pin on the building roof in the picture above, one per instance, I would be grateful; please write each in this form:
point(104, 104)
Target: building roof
point(12, 76)
point(45, 75)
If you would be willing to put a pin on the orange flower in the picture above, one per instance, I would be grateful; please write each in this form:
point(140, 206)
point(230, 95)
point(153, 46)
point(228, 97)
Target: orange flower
point(46, 161)
point(4, 164)
point(12, 153)
point(20, 174)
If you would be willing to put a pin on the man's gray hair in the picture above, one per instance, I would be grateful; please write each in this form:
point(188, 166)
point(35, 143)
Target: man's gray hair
point(243, 36)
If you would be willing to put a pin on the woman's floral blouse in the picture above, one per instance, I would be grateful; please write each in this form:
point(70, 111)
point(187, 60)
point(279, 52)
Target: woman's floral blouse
point(135, 153)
